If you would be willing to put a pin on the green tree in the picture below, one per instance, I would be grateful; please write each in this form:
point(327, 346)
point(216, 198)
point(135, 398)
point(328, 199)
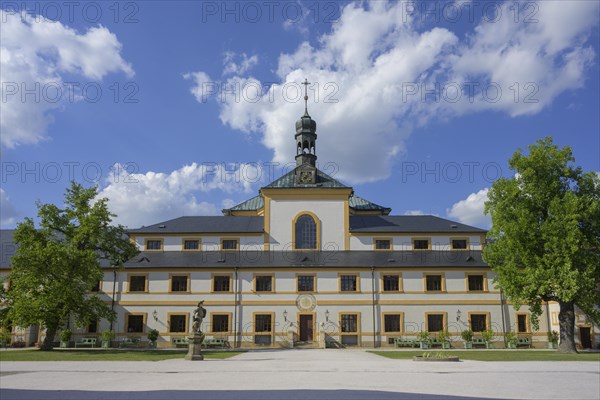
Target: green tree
point(544, 244)
point(57, 264)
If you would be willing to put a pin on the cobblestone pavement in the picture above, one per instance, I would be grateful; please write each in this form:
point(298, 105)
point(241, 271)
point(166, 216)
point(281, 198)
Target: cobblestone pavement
point(299, 374)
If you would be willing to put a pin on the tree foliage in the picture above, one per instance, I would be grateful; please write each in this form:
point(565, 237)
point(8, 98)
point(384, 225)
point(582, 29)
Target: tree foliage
point(544, 244)
point(58, 263)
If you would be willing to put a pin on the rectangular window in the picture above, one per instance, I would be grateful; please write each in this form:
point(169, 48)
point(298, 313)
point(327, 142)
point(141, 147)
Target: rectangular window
point(392, 323)
point(264, 283)
point(262, 323)
point(383, 244)
point(137, 283)
point(391, 283)
point(459, 244)
point(220, 323)
point(434, 283)
point(221, 283)
point(229, 244)
point(478, 322)
point(135, 323)
point(191, 244)
point(93, 326)
point(435, 322)
point(96, 287)
point(153, 244)
point(178, 323)
point(522, 323)
point(421, 244)
point(475, 283)
point(179, 283)
point(348, 283)
point(349, 323)
point(306, 283)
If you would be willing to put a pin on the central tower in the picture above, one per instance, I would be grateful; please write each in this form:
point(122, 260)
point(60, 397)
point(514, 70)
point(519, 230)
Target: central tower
point(306, 137)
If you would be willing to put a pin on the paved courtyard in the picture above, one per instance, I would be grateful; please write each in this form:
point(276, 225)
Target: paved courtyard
point(299, 374)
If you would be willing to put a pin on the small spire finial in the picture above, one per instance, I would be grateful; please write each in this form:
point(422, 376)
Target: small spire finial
point(306, 83)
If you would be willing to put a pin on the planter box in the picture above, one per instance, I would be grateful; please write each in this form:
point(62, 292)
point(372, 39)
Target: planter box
point(445, 345)
point(468, 345)
point(510, 345)
point(152, 344)
point(552, 345)
point(424, 345)
point(434, 359)
point(64, 345)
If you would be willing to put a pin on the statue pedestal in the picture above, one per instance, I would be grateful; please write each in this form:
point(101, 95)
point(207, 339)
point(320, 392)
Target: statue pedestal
point(195, 347)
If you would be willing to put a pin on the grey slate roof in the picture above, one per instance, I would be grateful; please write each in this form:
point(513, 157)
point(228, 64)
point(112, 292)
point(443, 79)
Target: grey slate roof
point(358, 223)
point(288, 181)
point(205, 224)
point(408, 223)
point(310, 258)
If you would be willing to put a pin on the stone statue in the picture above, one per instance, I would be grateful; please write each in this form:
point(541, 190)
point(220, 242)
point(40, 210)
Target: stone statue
point(199, 315)
point(197, 337)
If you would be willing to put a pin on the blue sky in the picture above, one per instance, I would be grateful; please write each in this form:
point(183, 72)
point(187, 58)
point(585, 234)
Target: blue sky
point(132, 88)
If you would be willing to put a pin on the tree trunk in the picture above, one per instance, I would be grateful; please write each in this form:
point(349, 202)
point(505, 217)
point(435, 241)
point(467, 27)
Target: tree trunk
point(566, 319)
point(48, 343)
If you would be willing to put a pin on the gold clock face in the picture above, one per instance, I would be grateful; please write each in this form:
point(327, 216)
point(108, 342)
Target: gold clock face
point(306, 302)
point(305, 177)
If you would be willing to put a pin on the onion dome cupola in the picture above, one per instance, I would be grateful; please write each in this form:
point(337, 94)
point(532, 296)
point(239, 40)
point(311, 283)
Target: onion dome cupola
point(306, 135)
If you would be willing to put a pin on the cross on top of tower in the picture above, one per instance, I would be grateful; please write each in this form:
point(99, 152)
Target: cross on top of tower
point(306, 83)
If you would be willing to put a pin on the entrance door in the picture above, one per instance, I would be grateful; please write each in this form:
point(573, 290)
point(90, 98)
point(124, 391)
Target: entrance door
point(585, 337)
point(306, 328)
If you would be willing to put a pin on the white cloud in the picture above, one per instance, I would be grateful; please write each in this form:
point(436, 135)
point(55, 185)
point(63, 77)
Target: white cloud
point(470, 210)
point(240, 67)
point(414, 212)
point(8, 212)
point(418, 212)
point(542, 59)
point(200, 90)
point(35, 54)
point(363, 73)
point(141, 199)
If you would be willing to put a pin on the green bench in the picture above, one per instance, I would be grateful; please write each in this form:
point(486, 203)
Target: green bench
point(180, 342)
point(433, 342)
point(86, 342)
point(403, 342)
point(215, 342)
point(523, 341)
point(134, 341)
point(478, 341)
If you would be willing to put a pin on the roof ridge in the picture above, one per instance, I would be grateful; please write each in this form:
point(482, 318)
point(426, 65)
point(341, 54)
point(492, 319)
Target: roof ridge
point(286, 181)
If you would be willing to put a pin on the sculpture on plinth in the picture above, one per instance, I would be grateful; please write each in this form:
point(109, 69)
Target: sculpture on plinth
point(197, 337)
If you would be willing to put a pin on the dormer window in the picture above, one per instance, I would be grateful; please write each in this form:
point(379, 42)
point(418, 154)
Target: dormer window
point(230, 244)
point(153, 244)
point(459, 244)
point(383, 244)
point(191, 244)
point(421, 244)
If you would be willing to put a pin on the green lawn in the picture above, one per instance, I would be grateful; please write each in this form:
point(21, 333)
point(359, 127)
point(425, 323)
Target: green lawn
point(508, 355)
point(106, 355)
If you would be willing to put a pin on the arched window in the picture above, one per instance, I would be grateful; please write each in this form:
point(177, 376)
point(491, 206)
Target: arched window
point(306, 232)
